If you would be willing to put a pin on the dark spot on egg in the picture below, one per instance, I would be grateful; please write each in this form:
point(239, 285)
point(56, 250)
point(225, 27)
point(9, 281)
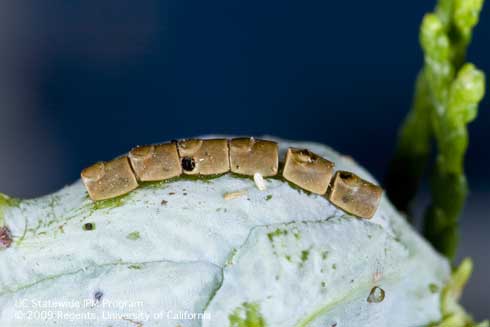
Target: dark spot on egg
point(188, 163)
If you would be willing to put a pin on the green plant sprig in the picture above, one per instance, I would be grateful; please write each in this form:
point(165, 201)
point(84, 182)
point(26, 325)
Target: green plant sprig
point(446, 100)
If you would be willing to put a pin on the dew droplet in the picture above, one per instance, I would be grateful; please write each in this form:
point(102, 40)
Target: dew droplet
point(377, 295)
point(88, 226)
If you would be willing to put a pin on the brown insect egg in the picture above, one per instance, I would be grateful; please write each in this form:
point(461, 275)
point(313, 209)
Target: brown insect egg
point(105, 180)
point(355, 195)
point(249, 156)
point(308, 170)
point(155, 162)
point(204, 157)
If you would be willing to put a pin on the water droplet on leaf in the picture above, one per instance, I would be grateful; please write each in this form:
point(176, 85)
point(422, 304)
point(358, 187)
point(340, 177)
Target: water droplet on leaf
point(377, 295)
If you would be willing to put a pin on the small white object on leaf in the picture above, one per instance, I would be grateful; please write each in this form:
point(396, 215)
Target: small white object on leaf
point(260, 182)
point(234, 195)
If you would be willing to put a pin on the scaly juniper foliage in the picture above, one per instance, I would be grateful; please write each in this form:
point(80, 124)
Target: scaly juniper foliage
point(447, 95)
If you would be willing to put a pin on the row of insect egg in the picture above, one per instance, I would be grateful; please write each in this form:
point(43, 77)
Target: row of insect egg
point(244, 156)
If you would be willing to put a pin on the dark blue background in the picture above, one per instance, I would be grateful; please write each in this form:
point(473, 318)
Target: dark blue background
point(85, 81)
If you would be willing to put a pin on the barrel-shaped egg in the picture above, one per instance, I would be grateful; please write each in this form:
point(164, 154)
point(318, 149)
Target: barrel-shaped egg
point(204, 157)
point(307, 170)
point(106, 180)
point(155, 162)
point(250, 156)
point(355, 195)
